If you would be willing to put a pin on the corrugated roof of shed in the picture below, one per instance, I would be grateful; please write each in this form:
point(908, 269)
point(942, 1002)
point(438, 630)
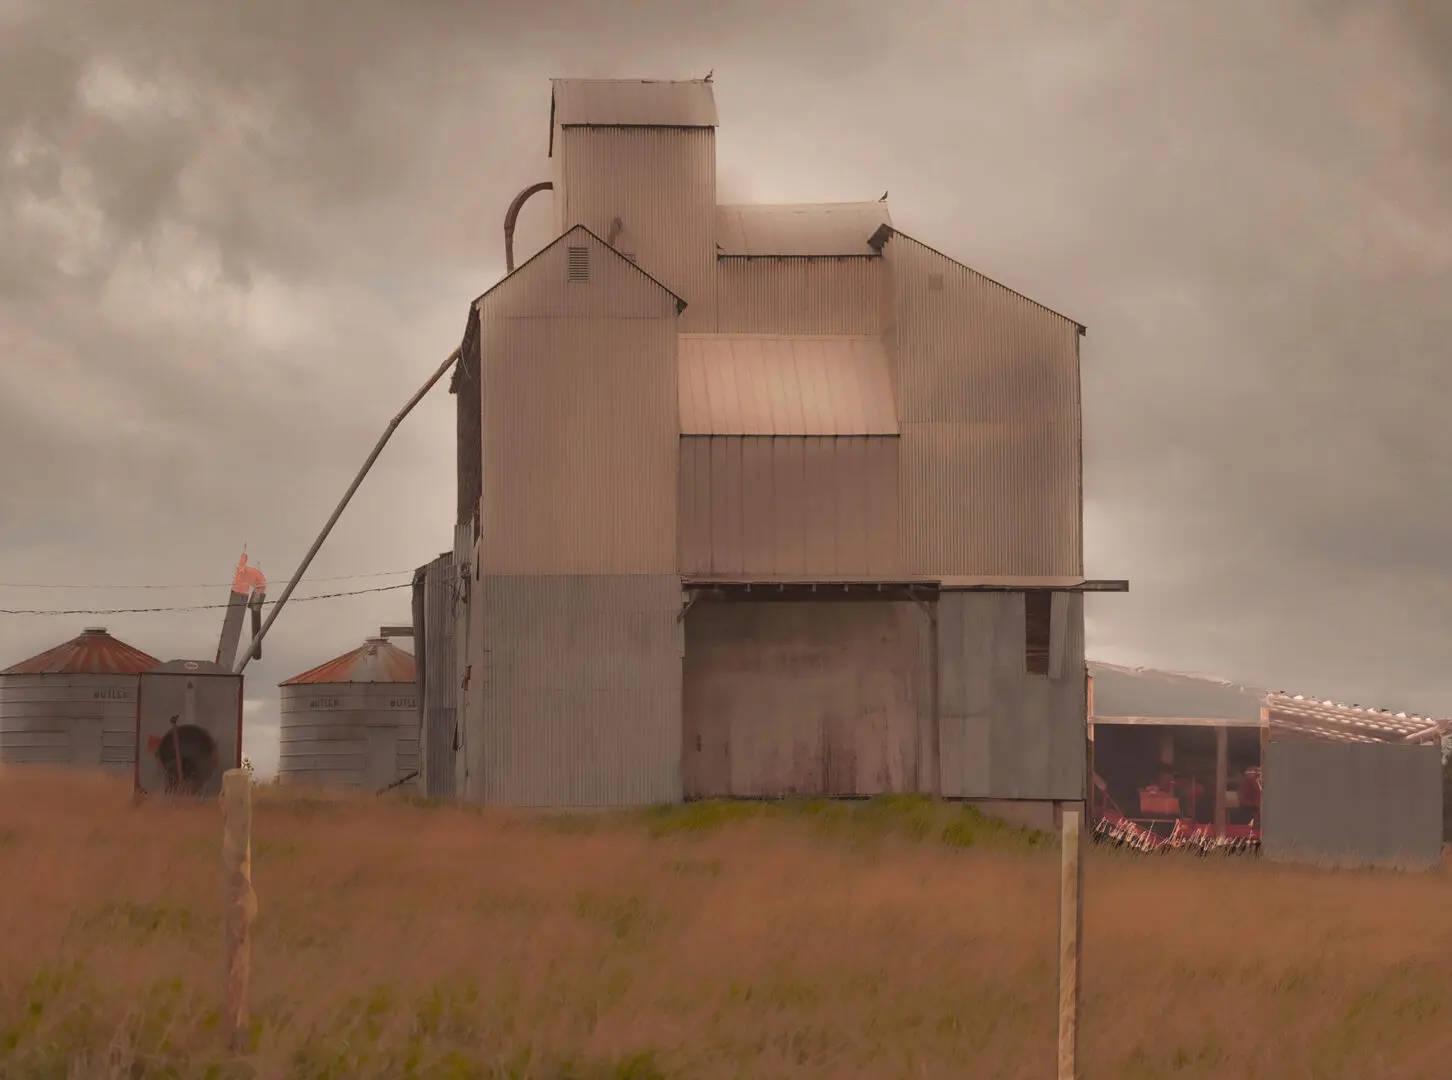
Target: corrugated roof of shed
point(769, 384)
point(1143, 693)
point(802, 229)
point(93, 652)
point(630, 103)
point(377, 660)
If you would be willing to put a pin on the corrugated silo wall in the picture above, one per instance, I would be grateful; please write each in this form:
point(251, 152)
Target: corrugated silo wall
point(574, 692)
point(439, 691)
point(1006, 733)
point(81, 720)
point(1353, 804)
point(362, 735)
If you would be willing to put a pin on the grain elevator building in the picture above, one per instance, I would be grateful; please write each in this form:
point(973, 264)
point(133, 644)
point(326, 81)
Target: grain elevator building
point(765, 500)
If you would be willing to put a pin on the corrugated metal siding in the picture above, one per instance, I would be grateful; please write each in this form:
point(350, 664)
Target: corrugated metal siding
point(580, 409)
point(806, 229)
point(581, 691)
point(440, 688)
point(802, 698)
point(66, 719)
point(1007, 734)
point(1350, 805)
point(766, 384)
point(992, 499)
point(988, 393)
point(325, 733)
point(661, 184)
point(798, 296)
point(645, 102)
point(787, 507)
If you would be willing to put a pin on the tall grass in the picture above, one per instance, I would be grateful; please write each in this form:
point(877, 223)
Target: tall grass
point(893, 938)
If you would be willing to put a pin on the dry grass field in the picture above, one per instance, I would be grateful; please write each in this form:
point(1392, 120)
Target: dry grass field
point(889, 939)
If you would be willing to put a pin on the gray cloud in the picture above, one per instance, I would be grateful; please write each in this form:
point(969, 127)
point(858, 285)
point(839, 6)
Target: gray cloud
point(238, 236)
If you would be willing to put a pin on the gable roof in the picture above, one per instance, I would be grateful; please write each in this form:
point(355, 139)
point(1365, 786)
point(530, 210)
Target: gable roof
point(886, 232)
point(573, 230)
point(686, 103)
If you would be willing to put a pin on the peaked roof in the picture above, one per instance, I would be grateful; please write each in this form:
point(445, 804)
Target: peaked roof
point(93, 652)
point(573, 230)
point(377, 660)
point(886, 232)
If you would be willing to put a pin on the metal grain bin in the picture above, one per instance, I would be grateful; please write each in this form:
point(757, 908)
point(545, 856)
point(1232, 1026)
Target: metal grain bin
point(352, 722)
point(74, 704)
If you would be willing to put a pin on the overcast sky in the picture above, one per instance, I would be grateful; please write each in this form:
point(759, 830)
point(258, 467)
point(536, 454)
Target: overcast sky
point(235, 237)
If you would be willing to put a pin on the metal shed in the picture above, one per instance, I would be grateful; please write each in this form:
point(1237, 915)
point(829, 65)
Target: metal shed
point(353, 721)
point(768, 499)
point(74, 704)
point(1314, 780)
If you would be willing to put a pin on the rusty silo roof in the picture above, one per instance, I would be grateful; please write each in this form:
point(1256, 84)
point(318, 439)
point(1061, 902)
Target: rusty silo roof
point(94, 652)
point(377, 660)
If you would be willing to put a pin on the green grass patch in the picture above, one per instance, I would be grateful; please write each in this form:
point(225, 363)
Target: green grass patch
point(913, 817)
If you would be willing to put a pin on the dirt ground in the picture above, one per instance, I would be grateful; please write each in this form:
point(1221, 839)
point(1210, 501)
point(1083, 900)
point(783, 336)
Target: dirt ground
point(888, 939)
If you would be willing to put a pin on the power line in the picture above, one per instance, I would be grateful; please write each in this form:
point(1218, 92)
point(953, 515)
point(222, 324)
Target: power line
point(191, 607)
point(205, 585)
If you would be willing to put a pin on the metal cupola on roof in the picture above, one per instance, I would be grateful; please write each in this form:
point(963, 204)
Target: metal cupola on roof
point(73, 704)
point(352, 721)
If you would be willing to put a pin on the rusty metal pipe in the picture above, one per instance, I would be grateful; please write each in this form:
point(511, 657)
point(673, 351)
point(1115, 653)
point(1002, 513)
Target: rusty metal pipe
point(512, 215)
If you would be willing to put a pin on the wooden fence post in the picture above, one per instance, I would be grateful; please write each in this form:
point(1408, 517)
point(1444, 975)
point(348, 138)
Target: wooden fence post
point(1071, 935)
point(241, 901)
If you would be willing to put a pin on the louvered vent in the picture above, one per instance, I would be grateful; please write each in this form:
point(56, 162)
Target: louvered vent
point(579, 264)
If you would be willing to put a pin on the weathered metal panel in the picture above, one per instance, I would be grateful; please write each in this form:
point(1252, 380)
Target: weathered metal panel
point(439, 693)
point(987, 386)
point(970, 350)
point(580, 408)
point(769, 384)
point(788, 507)
point(1343, 804)
point(581, 691)
point(635, 102)
point(82, 720)
point(660, 184)
point(327, 733)
point(801, 698)
point(993, 499)
point(798, 296)
point(1006, 733)
point(806, 229)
